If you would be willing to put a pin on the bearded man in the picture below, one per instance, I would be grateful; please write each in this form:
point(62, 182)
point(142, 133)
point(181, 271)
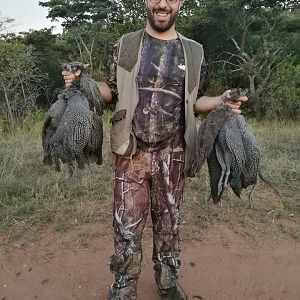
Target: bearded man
point(157, 80)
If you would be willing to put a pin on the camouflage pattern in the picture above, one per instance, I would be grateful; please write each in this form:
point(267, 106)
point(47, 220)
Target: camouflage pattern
point(112, 79)
point(150, 180)
point(154, 177)
point(160, 110)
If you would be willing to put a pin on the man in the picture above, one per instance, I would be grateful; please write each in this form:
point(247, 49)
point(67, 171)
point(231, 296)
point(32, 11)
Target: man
point(157, 77)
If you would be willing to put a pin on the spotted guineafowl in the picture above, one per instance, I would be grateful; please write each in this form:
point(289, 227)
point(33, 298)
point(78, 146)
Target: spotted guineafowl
point(73, 129)
point(231, 150)
point(51, 122)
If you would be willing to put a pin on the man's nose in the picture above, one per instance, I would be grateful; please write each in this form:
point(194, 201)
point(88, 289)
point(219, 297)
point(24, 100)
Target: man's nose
point(163, 3)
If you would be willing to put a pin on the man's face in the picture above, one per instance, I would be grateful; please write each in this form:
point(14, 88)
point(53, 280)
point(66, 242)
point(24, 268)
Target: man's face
point(162, 15)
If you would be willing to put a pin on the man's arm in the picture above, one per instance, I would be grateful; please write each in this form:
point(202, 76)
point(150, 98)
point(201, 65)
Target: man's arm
point(104, 89)
point(108, 89)
point(205, 104)
point(105, 92)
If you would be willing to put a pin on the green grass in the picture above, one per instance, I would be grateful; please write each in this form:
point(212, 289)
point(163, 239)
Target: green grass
point(280, 145)
point(32, 194)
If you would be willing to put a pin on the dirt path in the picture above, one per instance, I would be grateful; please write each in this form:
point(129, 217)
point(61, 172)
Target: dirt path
point(224, 265)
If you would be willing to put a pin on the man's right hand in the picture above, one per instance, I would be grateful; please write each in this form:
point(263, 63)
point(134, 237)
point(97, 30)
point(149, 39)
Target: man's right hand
point(70, 76)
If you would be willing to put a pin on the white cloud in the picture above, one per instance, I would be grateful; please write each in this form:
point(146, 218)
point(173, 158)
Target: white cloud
point(28, 15)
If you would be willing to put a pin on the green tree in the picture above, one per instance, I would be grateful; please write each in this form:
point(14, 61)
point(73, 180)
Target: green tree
point(76, 12)
point(246, 39)
point(20, 80)
point(50, 52)
point(282, 98)
point(88, 29)
point(292, 27)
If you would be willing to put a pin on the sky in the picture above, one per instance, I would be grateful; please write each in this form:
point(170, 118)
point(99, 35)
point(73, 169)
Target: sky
point(27, 14)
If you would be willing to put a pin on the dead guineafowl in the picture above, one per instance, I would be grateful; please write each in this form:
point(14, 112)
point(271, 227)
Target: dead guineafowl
point(231, 150)
point(73, 129)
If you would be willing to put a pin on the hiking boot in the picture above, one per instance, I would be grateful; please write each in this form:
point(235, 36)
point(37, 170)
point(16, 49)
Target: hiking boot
point(124, 293)
point(170, 294)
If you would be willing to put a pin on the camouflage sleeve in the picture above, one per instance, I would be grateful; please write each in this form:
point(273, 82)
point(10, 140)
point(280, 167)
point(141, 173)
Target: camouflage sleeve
point(203, 84)
point(112, 79)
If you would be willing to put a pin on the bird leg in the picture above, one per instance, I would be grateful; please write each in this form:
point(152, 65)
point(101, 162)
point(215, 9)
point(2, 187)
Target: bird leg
point(260, 176)
point(70, 169)
point(219, 154)
point(227, 161)
point(57, 165)
point(250, 199)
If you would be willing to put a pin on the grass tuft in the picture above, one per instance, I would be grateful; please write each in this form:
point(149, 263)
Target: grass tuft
point(32, 194)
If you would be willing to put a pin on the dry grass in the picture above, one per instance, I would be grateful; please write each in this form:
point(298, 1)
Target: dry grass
point(280, 145)
point(33, 194)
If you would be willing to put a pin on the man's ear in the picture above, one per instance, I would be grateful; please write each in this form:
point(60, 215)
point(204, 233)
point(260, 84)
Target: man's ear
point(181, 3)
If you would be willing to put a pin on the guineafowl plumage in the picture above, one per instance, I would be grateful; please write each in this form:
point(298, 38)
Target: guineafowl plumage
point(73, 130)
point(51, 122)
point(208, 132)
point(231, 150)
point(215, 173)
point(235, 150)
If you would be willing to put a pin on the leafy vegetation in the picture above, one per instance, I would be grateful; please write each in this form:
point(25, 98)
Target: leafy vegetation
point(31, 193)
point(253, 44)
point(34, 194)
point(20, 80)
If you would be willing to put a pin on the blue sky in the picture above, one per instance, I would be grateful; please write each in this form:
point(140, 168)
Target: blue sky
point(27, 14)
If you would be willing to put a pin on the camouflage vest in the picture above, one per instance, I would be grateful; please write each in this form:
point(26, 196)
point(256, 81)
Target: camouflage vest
point(123, 141)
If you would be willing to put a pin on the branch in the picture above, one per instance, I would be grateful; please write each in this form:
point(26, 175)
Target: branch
point(225, 62)
point(79, 48)
point(235, 55)
point(10, 113)
point(243, 53)
point(269, 72)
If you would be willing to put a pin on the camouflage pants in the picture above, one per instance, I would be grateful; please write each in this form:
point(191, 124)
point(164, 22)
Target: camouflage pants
point(150, 180)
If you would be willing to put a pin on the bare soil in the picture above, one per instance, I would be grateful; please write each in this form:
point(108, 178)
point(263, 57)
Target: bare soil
point(223, 263)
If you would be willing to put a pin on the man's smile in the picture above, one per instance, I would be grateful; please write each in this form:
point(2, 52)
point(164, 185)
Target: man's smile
point(161, 15)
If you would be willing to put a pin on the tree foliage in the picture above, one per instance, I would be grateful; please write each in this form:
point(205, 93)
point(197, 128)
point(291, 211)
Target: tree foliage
point(20, 80)
point(252, 44)
point(282, 99)
point(245, 40)
point(76, 12)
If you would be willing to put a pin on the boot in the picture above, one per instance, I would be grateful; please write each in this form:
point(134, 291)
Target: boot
point(123, 293)
point(170, 294)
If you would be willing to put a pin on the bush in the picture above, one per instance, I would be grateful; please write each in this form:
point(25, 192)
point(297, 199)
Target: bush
point(282, 98)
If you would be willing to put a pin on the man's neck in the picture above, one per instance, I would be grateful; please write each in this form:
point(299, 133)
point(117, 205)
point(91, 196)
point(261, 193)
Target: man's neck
point(169, 34)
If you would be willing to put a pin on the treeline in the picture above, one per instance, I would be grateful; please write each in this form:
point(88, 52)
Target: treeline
point(250, 44)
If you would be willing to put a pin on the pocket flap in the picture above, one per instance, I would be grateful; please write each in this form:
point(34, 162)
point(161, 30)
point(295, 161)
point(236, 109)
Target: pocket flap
point(118, 116)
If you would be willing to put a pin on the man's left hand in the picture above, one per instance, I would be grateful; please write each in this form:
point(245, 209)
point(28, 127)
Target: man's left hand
point(234, 105)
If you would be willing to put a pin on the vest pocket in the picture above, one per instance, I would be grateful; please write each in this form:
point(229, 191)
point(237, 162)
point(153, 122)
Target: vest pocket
point(121, 138)
point(118, 116)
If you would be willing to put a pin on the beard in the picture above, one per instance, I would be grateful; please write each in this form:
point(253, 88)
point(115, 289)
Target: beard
point(161, 26)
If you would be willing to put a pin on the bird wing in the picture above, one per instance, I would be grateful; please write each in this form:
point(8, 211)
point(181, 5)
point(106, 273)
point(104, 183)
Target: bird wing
point(252, 152)
point(215, 171)
point(208, 132)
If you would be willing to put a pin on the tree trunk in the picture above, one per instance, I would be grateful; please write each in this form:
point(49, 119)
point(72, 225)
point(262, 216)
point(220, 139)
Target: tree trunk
point(11, 118)
point(255, 97)
point(252, 84)
point(257, 106)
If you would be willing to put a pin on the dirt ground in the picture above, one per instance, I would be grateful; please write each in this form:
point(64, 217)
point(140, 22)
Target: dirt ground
point(224, 264)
